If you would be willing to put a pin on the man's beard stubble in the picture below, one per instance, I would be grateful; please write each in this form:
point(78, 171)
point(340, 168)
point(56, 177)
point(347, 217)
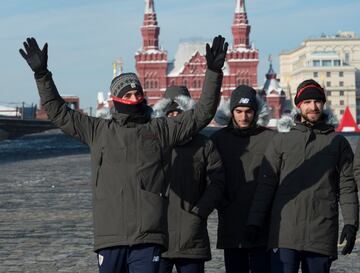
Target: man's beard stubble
point(304, 116)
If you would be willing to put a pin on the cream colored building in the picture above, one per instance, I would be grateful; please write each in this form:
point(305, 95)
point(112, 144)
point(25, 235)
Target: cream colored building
point(334, 62)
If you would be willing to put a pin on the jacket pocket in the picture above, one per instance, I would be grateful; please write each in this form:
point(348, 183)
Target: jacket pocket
point(108, 217)
point(98, 166)
point(96, 163)
point(152, 212)
point(109, 182)
point(193, 233)
point(325, 221)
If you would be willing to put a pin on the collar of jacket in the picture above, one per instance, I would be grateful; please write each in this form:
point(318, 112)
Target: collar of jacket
point(252, 130)
point(131, 120)
point(288, 121)
point(320, 127)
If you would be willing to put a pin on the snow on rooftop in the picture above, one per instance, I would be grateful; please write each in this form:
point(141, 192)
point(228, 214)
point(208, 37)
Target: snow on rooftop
point(149, 51)
point(274, 86)
point(242, 49)
point(9, 111)
point(184, 53)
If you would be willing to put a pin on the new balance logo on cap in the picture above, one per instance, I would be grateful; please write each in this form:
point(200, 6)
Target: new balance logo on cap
point(244, 101)
point(133, 85)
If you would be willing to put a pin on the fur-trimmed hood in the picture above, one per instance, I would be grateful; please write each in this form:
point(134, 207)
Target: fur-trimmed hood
point(223, 114)
point(288, 121)
point(185, 103)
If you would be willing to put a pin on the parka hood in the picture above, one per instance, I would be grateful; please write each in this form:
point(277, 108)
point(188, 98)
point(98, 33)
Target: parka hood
point(185, 103)
point(288, 121)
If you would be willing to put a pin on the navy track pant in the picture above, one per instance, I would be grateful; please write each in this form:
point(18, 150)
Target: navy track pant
point(182, 265)
point(285, 260)
point(143, 258)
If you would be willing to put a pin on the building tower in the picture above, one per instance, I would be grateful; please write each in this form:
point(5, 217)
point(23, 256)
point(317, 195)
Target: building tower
point(189, 65)
point(273, 94)
point(118, 67)
point(240, 28)
point(151, 61)
point(242, 58)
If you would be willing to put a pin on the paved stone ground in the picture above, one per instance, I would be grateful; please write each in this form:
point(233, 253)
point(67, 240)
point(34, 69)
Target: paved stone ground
point(46, 221)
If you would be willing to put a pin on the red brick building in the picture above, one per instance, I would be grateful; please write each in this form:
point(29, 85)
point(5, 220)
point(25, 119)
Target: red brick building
point(188, 68)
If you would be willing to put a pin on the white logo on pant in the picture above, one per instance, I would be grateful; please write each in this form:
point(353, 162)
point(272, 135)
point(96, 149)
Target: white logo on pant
point(156, 259)
point(101, 259)
point(275, 250)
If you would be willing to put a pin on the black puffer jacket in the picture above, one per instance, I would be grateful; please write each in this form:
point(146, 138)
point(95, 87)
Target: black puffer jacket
point(127, 163)
point(196, 185)
point(241, 152)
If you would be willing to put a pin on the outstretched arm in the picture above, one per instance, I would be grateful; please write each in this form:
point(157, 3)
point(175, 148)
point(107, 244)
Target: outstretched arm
point(71, 122)
point(268, 180)
point(215, 178)
point(181, 127)
point(348, 198)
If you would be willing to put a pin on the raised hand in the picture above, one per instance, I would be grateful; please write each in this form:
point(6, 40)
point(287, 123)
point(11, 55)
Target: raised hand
point(215, 55)
point(34, 56)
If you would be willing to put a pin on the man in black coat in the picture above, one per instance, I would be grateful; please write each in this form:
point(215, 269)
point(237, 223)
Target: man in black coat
point(127, 152)
point(242, 144)
point(196, 183)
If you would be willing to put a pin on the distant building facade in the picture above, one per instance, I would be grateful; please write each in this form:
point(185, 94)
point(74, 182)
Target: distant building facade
point(274, 96)
point(188, 68)
point(333, 61)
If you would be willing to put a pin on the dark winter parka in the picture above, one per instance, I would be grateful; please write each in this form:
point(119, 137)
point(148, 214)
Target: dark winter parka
point(196, 184)
point(127, 163)
point(241, 152)
point(305, 174)
point(356, 165)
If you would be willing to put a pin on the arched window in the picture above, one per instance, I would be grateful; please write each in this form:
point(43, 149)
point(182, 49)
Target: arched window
point(151, 84)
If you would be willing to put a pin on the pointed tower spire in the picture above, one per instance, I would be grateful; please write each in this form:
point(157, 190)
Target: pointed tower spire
point(149, 6)
point(150, 30)
point(240, 6)
point(271, 73)
point(240, 28)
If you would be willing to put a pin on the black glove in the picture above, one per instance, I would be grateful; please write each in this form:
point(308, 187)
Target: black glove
point(252, 233)
point(34, 56)
point(215, 56)
point(348, 233)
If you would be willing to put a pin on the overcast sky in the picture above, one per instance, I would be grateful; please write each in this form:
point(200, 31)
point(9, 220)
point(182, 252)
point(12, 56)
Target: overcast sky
point(86, 36)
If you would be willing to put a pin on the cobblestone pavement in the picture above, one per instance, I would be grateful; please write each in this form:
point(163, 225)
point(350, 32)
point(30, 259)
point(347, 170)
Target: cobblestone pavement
point(46, 221)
